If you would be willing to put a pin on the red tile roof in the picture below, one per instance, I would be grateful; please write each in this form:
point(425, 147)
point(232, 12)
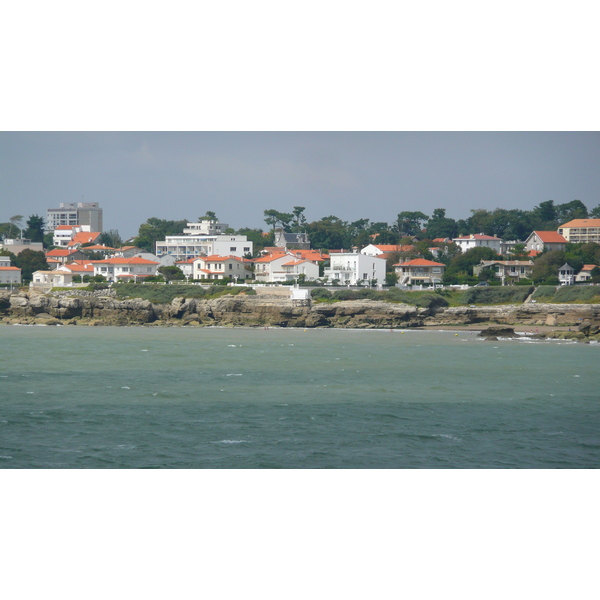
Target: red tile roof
point(551, 237)
point(84, 237)
point(135, 260)
point(478, 236)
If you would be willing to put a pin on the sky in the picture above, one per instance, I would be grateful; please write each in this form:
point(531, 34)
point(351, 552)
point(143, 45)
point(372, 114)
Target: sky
point(239, 175)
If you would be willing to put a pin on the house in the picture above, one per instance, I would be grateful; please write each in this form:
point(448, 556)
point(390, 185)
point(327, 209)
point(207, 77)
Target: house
point(545, 240)
point(51, 279)
point(586, 273)
point(220, 267)
point(506, 270)
point(127, 251)
point(288, 266)
point(123, 269)
point(289, 241)
point(79, 268)
point(186, 267)
point(354, 268)
point(64, 255)
point(419, 271)
point(478, 240)
point(9, 274)
point(581, 230)
point(566, 275)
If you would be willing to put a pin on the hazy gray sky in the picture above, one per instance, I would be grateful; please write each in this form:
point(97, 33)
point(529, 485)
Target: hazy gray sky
point(353, 175)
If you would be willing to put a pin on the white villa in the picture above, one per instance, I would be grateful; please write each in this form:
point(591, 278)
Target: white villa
point(586, 273)
point(219, 267)
point(566, 275)
point(278, 267)
point(353, 268)
point(419, 271)
point(478, 240)
point(121, 269)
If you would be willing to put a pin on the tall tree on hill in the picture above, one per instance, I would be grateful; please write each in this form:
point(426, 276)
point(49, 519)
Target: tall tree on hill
point(111, 238)
point(575, 209)
point(410, 223)
point(274, 218)
point(209, 215)
point(35, 229)
point(440, 226)
point(154, 230)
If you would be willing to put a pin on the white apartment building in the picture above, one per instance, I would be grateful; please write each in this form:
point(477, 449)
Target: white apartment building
point(581, 230)
point(206, 227)
point(75, 213)
point(182, 247)
point(353, 268)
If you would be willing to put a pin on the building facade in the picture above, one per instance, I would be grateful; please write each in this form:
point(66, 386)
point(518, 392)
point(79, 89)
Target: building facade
point(73, 214)
point(478, 240)
point(581, 231)
point(353, 268)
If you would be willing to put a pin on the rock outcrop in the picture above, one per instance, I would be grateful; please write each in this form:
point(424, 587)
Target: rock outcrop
point(104, 308)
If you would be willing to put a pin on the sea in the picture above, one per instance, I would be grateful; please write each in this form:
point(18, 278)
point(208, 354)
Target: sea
point(74, 397)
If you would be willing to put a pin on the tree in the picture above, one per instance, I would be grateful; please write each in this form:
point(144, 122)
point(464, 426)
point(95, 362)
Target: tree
point(440, 226)
point(35, 229)
point(410, 223)
point(16, 221)
point(462, 264)
point(274, 218)
point(111, 238)
point(595, 212)
point(155, 229)
point(171, 273)
point(595, 275)
point(575, 209)
point(546, 265)
point(329, 233)
point(209, 215)
point(298, 220)
point(30, 261)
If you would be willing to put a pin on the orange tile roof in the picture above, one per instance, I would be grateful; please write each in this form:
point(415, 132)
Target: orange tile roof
point(533, 253)
point(60, 252)
point(99, 247)
point(84, 237)
point(9, 269)
point(588, 267)
point(551, 237)
point(420, 262)
point(135, 260)
point(582, 223)
point(269, 258)
point(478, 236)
point(65, 227)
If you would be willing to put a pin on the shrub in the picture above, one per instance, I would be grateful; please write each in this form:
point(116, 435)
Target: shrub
point(431, 300)
point(495, 295)
point(320, 294)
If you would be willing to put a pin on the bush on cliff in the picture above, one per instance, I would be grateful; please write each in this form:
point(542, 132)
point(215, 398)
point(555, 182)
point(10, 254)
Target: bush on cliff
point(163, 294)
point(568, 294)
point(495, 295)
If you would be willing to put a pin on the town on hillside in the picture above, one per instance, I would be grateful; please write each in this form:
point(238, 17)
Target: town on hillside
point(553, 244)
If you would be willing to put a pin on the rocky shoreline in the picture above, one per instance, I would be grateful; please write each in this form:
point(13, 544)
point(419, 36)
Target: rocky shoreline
point(102, 308)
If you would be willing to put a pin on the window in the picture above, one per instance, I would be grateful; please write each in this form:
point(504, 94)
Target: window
point(230, 267)
point(232, 248)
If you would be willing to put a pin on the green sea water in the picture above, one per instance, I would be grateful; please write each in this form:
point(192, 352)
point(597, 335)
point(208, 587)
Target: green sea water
point(142, 397)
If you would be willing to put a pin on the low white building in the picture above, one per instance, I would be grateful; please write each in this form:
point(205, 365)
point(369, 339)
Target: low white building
point(220, 267)
point(52, 278)
point(478, 240)
point(419, 271)
point(123, 269)
point(353, 268)
point(566, 275)
point(586, 273)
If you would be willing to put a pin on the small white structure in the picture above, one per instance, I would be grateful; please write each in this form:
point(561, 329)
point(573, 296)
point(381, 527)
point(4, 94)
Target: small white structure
point(52, 278)
point(478, 240)
point(353, 268)
point(566, 275)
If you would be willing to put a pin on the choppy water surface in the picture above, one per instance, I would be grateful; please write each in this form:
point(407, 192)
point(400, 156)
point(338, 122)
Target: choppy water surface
point(82, 397)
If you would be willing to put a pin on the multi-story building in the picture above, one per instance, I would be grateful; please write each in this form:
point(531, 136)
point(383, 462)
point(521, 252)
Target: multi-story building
point(220, 267)
point(8, 273)
point(353, 268)
point(196, 242)
point(120, 269)
point(75, 213)
point(581, 230)
point(419, 271)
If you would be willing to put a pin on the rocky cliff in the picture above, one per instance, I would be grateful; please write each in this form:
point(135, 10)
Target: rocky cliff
point(103, 308)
